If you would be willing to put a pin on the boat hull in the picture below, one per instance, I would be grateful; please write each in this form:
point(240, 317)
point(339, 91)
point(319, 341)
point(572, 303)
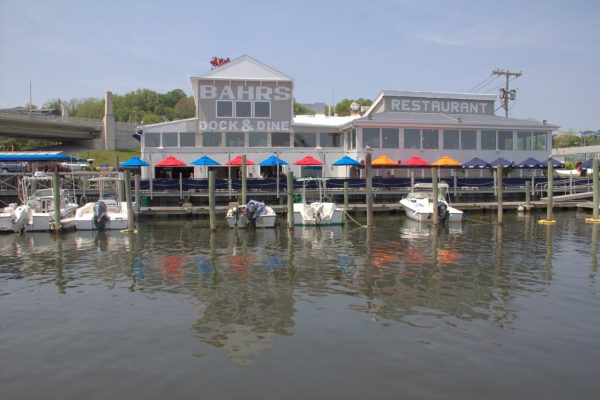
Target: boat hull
point(304, 215)
point(262, 221)
point(425, 213)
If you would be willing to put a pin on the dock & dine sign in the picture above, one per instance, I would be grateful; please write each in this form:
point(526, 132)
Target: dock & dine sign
point(245, 107)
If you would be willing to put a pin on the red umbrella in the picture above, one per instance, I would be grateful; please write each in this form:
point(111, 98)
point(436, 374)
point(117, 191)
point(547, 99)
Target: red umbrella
point(237, 161)
point(308, 161)
point(415, 161)
point(170, 161)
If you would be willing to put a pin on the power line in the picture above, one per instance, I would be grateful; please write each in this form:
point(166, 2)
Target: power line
point(505, 93)
point(482, 83)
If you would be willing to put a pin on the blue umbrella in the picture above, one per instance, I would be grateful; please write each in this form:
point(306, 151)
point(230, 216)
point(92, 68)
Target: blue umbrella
point(134, 162)
point(475, 163)
point(346, 160)
point(205, 161)
point(529, 163)
point(555, 164)
point(273, 161)
point(501, 161)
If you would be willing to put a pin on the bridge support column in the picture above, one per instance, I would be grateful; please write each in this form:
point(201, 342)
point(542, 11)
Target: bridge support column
point(108, 124)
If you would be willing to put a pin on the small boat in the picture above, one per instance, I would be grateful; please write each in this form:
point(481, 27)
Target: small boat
point(15, 218)
point(418, 205)
point(254, 214)
point(568, 173)
point(42, 215)
point(104, 214)
point(319, 212)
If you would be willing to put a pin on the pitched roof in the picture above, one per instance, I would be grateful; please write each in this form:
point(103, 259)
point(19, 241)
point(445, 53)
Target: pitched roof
point(245, 68)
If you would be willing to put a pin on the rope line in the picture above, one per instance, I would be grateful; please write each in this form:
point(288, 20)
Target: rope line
point(355, 221)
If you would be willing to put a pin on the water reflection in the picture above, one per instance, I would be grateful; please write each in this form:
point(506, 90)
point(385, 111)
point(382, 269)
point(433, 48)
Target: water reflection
point(245, 284)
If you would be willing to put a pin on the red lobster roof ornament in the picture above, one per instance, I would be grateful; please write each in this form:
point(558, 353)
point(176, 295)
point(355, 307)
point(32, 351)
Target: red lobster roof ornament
point(218, 62)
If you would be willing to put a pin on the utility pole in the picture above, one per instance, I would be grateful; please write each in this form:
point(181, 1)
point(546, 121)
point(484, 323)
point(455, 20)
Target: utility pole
point(505, 93)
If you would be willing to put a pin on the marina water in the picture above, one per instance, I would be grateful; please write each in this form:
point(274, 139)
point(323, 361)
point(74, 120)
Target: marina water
point(469, 311)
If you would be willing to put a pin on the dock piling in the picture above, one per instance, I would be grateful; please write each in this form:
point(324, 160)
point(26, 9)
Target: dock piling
point(549, 205)
point(212, 201)
point(56, 199)
point(136, 185)
point(595, 194)
point(130, 221)
point(500, 193)
point(244, 179)
point(346, 202)
point(528, 195)
point(435, 217)
point(369, 188)
point(290, 200)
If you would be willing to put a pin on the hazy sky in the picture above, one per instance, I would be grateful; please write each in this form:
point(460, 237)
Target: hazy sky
point(332, 49)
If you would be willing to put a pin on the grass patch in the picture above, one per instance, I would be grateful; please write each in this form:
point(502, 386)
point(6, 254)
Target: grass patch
point(110, 157)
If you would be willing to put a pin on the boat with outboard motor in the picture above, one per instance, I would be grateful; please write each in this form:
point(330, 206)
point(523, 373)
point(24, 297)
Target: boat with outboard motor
point(108, 213)
point(14, 217)
point(322, 213)
point(253, 214)
point(418, 204)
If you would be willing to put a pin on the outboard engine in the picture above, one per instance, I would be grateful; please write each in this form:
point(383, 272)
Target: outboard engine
point(235, 212)
point(443, 212)
point(100, 215)
point(251, 213)
point(22, 217)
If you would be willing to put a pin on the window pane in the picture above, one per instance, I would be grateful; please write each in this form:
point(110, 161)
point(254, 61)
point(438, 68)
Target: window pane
point(258, 139)
point(262, 109)
point(211, 139)
point(431, 139)
point(412, 139)
point(390, 138)
point(468, 140)
point(234, 139)
point(523, 140)
point(224, 109)
point(353, 139)
point(243, 109)
point(488, 140)
point(187, 139)
point(539, 139)
point(505, 140)
point(371, 137)
point(151, 139)
point(305, 139)
point(331, 139)
point(169, 139)
point(280, 139)
point(451, 139)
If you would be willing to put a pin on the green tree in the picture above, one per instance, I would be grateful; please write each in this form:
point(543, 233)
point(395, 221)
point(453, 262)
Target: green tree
point(343, 108)
point(88, 108)
point(299, 109)
point(184, 108)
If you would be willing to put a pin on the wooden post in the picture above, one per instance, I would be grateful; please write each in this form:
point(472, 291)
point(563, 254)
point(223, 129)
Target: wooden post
point(136, 185)
point(595, 188)
point(528, 194)
point(500, 194)
point(369, 189)
point(212, 200)
point(56, 198)
point(244, 182)
point(130, 222)
point(550, 204)
point(435, 217)
point(290, 200)
point(180, 186)
point(346, 202)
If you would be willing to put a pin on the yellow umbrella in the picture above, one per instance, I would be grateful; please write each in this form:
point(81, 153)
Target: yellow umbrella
point(383, 161)
point(446, 161)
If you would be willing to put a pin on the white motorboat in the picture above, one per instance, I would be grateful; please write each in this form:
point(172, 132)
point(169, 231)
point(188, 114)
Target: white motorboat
point(254, 214)
point(418, 204)
point(15, 218)
point(104, 214)
point(42, 206)
point(319, 212)
point(568, 173)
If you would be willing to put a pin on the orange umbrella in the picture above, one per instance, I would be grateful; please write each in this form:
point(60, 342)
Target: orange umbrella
point(446, 161)
point(384, 161)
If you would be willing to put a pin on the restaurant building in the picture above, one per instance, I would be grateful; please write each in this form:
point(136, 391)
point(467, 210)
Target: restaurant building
point(247, 107)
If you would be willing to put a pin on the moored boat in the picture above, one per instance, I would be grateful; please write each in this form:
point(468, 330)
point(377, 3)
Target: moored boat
point(418, 204)
point(322, 213)
point(254, 214)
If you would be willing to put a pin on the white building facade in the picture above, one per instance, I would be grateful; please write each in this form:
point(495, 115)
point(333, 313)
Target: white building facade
point(246, 107)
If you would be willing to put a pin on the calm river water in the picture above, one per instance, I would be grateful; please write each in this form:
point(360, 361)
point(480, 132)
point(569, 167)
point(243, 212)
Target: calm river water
point(474, 311)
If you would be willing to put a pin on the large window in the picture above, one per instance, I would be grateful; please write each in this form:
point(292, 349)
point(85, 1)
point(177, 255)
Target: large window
point(224, 109)
point(258, 139)
point(451, 139)
point(488, 140)
point(187, 139)
point(540, 141)
point(330, 139)
point(152, 139)
point(234, 139)
point(431, 139)
point(305, 139)
point(211, 139)
point(371, 137)
point(468, 140)
point(243, 109)
point(169, 139)
point(523, 140)
point(353, 139)
point(280, 139)
point(262, 109)
point(505, 140)
point(412, 139)
point(390, 139)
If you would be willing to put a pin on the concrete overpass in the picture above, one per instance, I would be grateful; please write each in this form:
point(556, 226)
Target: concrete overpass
point(105, 134)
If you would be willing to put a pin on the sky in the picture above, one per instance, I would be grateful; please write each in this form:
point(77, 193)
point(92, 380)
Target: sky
point(73, 49)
